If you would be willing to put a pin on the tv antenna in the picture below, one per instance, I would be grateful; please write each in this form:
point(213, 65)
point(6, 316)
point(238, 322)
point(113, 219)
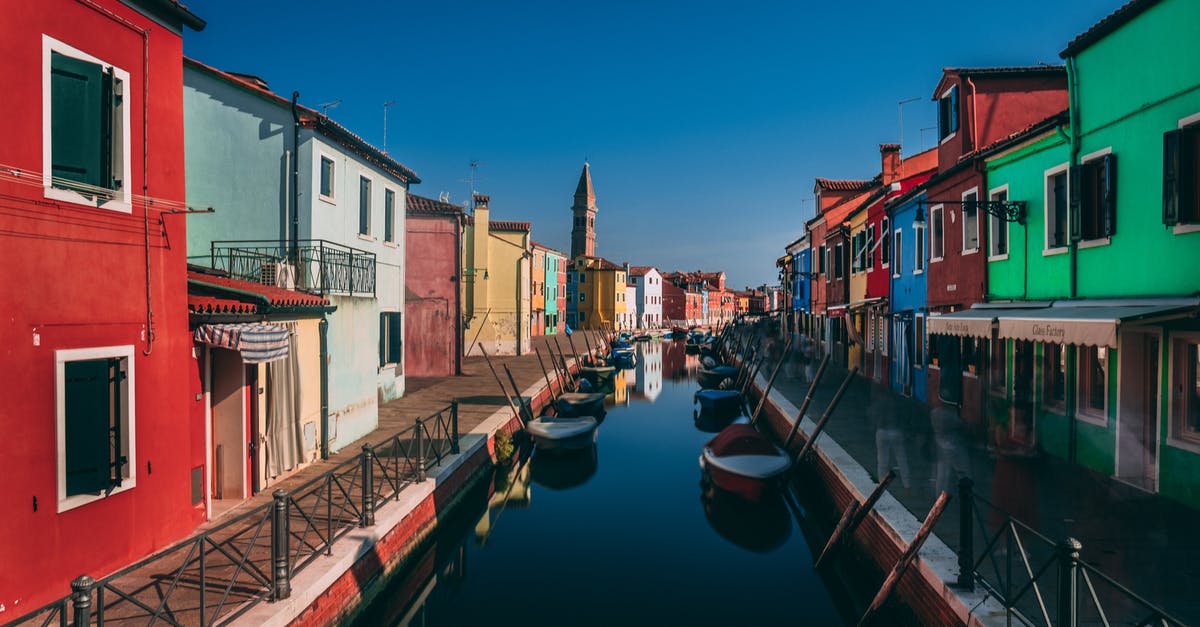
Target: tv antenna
point(385, 108)
point(900, 108)
point(475, 164)
point(329, 105)
point(444, 197)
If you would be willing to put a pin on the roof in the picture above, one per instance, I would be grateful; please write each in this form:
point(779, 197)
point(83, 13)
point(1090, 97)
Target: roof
point(837, 214)
point(310, 118)
point(548, 249)
point(503, 225)
point(601, 263)
point(641, 270)
point(918, 163)
point(1036, 129)
point(420, 205)
point(174, 11)
point(845, 185)
point(1110, 23)
point(584, 190)
point(211, 293)
point(1006, 71)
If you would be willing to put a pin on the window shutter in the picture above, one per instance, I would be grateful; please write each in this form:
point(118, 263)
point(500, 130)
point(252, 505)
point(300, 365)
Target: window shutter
point(116, 459)
point(953, 109)
point(395, 338)
point(76, 126)
point(382, 339)
point(1109, 202)
point(1074, 202)
point(87, 426)
point(1172, 144)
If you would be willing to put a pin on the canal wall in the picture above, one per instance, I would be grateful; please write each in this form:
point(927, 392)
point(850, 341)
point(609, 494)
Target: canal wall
point(335, 585)
point(926, 587)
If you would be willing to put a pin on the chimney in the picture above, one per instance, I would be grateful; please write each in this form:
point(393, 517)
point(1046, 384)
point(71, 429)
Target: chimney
point(626, 270)
point(889, 155)
point(479, 255)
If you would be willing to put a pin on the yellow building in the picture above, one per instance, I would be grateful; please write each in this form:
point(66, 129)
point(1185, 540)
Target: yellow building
point(599, 291)
point(858, 283)
point(496, 300)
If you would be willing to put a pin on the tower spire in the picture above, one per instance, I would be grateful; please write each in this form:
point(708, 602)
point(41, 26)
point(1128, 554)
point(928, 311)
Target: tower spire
point(583, 211)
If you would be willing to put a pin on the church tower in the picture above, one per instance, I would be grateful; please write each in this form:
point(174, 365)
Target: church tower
point(583, 231)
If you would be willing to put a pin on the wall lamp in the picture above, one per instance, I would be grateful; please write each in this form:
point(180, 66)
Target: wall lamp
point(1007, 210)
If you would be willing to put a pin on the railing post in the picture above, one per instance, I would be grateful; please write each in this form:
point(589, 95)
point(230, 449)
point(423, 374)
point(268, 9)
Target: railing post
point(420, 446)
point(454, 427)
point(281, 574)
point(368, 486)
point(1068, 582)
point(351, 272)
point(966, 535)
point(81, 600)
point(321, 266)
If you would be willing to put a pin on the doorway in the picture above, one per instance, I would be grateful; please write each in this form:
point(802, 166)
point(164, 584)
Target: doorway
point(230, 444)
point(1137, 419)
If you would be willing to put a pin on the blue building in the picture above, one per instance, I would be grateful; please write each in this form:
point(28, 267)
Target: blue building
point(909, 256)
point(800, 255)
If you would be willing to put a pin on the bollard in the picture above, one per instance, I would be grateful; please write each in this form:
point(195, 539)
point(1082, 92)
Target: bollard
point(420, 446)
point(81, 600)
point(1068, 588)
point(454, 425)
point(966, 535)
point(368, 486)
point(280, 531)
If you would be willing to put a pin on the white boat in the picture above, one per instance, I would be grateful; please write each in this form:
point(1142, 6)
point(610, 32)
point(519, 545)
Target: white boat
point(561, 432)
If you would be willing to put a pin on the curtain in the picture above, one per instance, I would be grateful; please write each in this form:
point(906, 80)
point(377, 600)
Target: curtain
point(284, 445)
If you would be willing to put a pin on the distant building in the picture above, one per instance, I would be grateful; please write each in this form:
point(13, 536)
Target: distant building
point(554, 287)
point(649, 297)
point(597, 287)
point(496, 299)
point(432, 295)
point(583, 226)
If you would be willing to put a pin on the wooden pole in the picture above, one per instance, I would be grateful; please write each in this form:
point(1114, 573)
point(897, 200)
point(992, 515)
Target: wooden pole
point(563, 361)
point(479, 330)
point(770, 382)
point(906, 559)
point(549, 385)
point(854, 516)
point(527, 409)
point(837, 396)
point(503, 390)
point(812, 387)
point(574, 353)
point(588, 343)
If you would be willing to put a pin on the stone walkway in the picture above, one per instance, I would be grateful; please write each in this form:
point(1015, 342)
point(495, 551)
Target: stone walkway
point(1146, 542)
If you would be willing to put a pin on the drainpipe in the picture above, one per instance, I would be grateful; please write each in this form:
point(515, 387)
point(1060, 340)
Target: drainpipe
point(458, 293)
point(295, 243)
point(974, 128)
point(323, 327)
point(1073, 108)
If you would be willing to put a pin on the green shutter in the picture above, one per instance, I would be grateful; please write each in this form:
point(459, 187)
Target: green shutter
point(77, 120)
point(395, 338)
point(87, 423)
point(389, 216)
point(1075, 202)
point(1172, 174)
point(1108, 204)
point(382, 339)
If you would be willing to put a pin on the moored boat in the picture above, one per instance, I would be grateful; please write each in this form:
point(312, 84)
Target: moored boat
point(563, 432)
point(580, 404)
point(743, 461)
point(597, 374)
point(723, 401)
point(711, 378)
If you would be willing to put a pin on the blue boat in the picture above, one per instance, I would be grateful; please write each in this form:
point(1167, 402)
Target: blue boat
point(719, 401)
point(712, 377)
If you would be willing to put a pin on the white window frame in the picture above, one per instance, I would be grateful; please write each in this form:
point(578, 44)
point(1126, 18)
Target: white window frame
point(920, 241)
point(123, 202)
point(992, 220)
point(978, 231)
point(957, 126)
point(885, 261)
point(332, 197)
point(1048, 196)
point(1088, 158)
point(1181, 229)
point(1082, 412)
point(941, 210)
point(1173, 440)
point(370, 208)
point(129, 422)
point(898, 253)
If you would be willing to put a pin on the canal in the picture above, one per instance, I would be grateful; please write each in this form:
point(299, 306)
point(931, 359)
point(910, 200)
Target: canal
point(624, 533)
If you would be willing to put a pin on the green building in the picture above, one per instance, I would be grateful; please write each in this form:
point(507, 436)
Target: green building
point(1093, 297)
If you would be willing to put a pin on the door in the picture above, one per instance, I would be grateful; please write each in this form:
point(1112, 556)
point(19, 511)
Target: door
point(229, 401)
point(1137, 421)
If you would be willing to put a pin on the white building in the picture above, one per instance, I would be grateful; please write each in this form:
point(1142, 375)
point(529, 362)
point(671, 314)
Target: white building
point(648, 298)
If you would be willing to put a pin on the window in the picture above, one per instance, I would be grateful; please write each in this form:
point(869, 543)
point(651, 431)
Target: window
point(1056, 208)
point(327, 178)
point(919, 250)
point(389, 215)
point(871, 246)
point(95, 423)
point(937, 235)
point(364, 205)
point(885, 251)
point(998, 227)
point(583, 316)
point(1093, 189)
point(839, 263)
point(391, 338)
point(948, 113)
point(582, 276)
point(1181, 172)
point(1185, 388)
point(821, 260)
point(896, 252)
point(919, 340)
point(581, 297)
point(85, 123)
point(970, 221)
point(1054, 377)
point(1093, 378)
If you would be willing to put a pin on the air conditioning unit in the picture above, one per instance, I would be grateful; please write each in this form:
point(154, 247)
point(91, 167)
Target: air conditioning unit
point(278, 274)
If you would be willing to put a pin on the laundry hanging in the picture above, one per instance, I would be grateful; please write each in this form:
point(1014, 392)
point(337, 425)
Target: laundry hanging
point(257, 342)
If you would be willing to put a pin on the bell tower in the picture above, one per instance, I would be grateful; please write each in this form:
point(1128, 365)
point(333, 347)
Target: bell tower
point(583, 229)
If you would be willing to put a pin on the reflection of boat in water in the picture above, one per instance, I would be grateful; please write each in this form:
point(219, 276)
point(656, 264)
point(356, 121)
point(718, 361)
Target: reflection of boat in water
point(710, 421)
point(759, 526)
point(744, 461)
point(565, 432)
point(560, 470)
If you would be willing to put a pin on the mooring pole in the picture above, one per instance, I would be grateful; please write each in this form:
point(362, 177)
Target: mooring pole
point(906, 559)
point(500, 382)
point(854, 516)
point(837, 396)
point(588, 343)
point(563, 362)
point(542, 364)
point(574, 353)
point(770, 382)
point(527, 410)
point(812, 388)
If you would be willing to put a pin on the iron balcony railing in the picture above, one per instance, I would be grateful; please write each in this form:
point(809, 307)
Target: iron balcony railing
point(314, 265)
point(218, 575)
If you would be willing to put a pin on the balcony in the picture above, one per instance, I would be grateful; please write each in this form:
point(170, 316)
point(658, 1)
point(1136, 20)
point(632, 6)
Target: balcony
point(316, 266)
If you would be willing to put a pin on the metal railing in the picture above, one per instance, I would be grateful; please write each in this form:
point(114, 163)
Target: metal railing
point(316, 265)
point(219, 574)
point(1040, 581)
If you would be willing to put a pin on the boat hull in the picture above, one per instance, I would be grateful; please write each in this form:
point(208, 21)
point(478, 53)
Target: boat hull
point(580, 404)
point(748, 480)
point(719, 401)
point(556, 432)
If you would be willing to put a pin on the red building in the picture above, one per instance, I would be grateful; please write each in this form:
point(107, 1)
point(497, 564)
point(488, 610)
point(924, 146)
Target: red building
point(103, 463)
point(831, 259)
point(432, 333)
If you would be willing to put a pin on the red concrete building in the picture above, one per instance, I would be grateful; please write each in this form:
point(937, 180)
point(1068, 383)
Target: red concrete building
point(674, 303)
point(835, 199)
point(433, 333)
point(102, 463)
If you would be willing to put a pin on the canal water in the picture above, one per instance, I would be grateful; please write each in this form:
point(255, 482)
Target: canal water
point(623, 534)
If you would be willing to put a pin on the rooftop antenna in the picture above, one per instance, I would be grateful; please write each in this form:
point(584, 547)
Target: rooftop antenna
point(444, 197)
point(385, 108)
point(927, 128)
point(900, 108)
point(475, 164)
point(329, 105)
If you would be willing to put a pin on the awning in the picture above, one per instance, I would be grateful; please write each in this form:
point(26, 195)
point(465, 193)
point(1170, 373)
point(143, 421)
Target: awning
point(965, 323)
point(836, 311)
point(258, 343)
point(1084, 323)
point(866, 302)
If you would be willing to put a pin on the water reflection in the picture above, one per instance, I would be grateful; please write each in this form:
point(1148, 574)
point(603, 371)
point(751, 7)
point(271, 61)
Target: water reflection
point(758, 526)
point(650, 371)
point(561, 470)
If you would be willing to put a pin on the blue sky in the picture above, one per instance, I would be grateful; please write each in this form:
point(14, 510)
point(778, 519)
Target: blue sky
point(705, 123)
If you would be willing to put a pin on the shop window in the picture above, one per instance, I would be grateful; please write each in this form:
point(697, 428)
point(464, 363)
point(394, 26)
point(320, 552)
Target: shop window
point(1185, 389)
point(1054, 378)
point(95, 423)
point(919, 340)
point(998, 366)
point(1092, 375)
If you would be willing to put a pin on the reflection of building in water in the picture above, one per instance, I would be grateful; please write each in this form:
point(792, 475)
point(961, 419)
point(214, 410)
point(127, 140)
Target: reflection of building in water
point(673, 360)
point(649, 371)
point(620, 394)
point(512, 490)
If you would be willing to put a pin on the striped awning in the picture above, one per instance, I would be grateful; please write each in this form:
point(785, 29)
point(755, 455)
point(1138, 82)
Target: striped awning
point(258, 342)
